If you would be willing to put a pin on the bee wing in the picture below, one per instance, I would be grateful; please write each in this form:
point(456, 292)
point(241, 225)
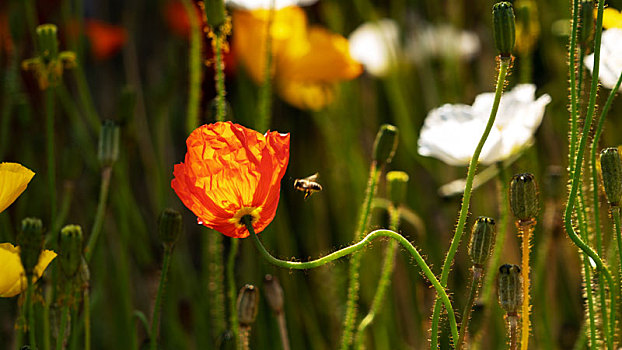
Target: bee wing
point(312, 177)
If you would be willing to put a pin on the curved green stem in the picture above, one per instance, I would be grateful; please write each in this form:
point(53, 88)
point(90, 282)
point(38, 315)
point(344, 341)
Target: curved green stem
point(355, 248)
point(383, 283)
point(194, 67)
point(476, 279)
point(355, 261)
point(455, 242)
point(232, 289)
point(99, 216)
point(155, 321)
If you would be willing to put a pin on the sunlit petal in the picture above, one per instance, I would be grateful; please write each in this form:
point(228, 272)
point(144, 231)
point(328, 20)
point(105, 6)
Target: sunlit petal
point(13, 279)
point(14, 179)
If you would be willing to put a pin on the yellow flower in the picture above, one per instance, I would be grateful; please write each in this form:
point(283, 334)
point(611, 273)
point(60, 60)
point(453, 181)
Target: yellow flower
point(307, 61)
point(13, 278)
point(14, 178)
point(612, 18)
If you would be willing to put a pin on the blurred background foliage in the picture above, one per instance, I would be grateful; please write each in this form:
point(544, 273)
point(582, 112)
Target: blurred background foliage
point(143, 87)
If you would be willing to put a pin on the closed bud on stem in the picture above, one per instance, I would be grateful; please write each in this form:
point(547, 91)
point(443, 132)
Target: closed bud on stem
point(397, 185)
point(248, 300)
point(48, 42)
point(385, 144)
point(504, 28)
point(30, 241)
point(70, 250)
point(169, 227)
point(482, 240)
point(215, 12)
point(108, 151)
point(510, 288)
point(586, 24)
point(611, 168)
point(524, 197)
point(274, 293)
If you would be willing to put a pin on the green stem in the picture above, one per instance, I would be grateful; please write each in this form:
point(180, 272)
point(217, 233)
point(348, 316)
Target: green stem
point(31, 314)
point(99, 216)
point(464, 210)
point(582, 216)
point(214, 277)
point(87, 319)
point(573, 86)
point(476, 279)
point(194, 67)
point(355, 261)
point(232, 289)
point(49, 129)
point(384, 282)
point(64, 316)
point(155, 321)
point(265, 93)
point(220, 77)
point(297, 265)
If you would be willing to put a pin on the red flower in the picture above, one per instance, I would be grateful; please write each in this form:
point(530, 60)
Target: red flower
point(106, 39)
point(229, 172)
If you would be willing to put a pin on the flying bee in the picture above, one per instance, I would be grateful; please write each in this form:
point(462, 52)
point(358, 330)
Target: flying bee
point(308, 185)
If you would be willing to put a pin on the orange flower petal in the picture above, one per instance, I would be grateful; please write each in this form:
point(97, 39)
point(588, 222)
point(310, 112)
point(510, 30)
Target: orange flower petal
point(106, 39)
point(231, 171)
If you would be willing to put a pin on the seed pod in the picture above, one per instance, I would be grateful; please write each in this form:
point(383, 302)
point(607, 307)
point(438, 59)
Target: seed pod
point(248, 300)
point(70, 253)
point(504, 28)
point(482, 240)
point(274, 293)
point(611, 168)
point(30, 241)
point(169, 226)
point(397, 185)
point(524, 197)
point(385, 144)
point(108, 143)
point(510, 288)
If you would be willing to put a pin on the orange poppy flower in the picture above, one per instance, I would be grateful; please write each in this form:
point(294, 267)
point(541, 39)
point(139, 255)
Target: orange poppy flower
point(106, 39)
point(231, 171)
point(178, 20)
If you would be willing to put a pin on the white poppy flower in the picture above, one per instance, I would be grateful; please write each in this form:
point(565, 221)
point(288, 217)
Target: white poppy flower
point(610, 58)
point(375, 45)
point(451, 132)
point(266, 4)
point(442, 41)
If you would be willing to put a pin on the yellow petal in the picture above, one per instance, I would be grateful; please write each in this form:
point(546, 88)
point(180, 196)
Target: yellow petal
point(313, 96)
point(612, 18)
point(13, 278)
point(14, 178)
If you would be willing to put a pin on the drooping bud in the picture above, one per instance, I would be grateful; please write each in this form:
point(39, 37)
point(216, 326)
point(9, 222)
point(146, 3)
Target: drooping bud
point(274, 293)
point(611, 168)
point(524, 197)
point(108, 151)
point(48, 42)
point(30, 241)
point(504, 28)
point(510, 288)
point(385, 144)
point(482, 240)
point(248, 300)
point(169, 227)
point(397, 185)
point(586, 24)
point(70, 250)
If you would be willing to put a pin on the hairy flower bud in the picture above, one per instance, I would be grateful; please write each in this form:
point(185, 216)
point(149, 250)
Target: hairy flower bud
point(510, 288)
point(248, 300)
point(397, 185)
point(70, 253)
point(385, 144)
point(482, 240)
point(524, 197)
point(169, 226)
point(503, 28)
point(274, 293)
point(30, 241)
point(611, 168)
point(108, 143)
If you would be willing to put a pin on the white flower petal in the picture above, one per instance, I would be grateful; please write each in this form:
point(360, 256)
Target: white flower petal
point(442, 41)
point(610, 58)
point(375, 45)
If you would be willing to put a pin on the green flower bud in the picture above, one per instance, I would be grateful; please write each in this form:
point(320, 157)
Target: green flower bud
point(108, 151)
point(503, 28)
point(48, 42)
point(510, 288)
point(397, 185)
point(385, 144)
point(611, 168)
point(524, 197)
point(70, 253)
point(248, 300)
point(482, 240)
point(586, 22)
point(215, 13)
point(30, 241)
point(169, 226)
point(274, 293)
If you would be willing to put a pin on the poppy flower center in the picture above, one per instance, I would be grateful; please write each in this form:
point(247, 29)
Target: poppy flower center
point(244, 211)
